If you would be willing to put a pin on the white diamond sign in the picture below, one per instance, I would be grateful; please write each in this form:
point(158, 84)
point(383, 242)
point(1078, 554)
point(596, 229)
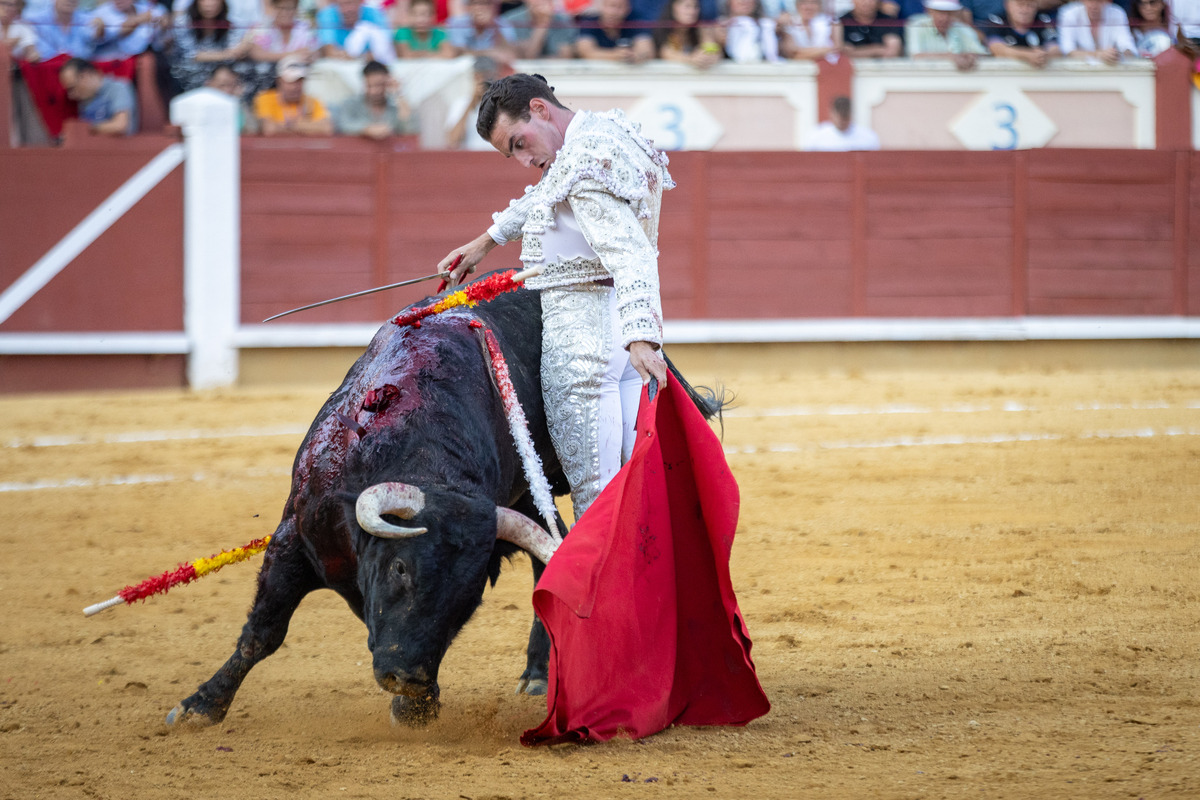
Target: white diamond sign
point(1003, 119)
point(676, 122)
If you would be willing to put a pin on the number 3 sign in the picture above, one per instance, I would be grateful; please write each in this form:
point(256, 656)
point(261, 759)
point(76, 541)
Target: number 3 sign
point(1003, 119)
point(676, 122)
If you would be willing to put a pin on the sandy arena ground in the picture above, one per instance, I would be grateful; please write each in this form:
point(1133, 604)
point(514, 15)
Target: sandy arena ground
point(979, 582)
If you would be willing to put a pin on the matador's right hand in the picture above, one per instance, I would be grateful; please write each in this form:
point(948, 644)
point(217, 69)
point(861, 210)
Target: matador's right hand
point(461, 261)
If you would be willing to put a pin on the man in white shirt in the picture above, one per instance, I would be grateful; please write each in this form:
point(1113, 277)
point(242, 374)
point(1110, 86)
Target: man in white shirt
point(1185, 17)
point(18, 35)
point(840, 134)
point(1095, 30)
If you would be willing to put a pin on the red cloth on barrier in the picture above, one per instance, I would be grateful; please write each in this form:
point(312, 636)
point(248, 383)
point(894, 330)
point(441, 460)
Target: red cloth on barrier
point(41, 78)
point(644, 627)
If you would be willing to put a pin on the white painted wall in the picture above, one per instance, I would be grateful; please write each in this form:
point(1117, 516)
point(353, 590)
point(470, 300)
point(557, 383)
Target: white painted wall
point(918, 105)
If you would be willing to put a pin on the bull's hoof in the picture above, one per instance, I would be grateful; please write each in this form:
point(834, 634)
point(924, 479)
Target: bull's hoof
point(533, 686)
point(197, 711)
point(415, 712)
point(181, 715)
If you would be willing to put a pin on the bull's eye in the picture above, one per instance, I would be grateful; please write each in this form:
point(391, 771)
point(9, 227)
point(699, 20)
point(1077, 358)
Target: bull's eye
point(398, 573)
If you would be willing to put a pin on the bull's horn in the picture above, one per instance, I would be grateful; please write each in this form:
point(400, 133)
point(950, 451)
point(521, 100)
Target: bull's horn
point(513, 526)
point(397, 499)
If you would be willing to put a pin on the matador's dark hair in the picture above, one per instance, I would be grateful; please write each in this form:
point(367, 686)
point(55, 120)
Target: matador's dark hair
point(511, 95)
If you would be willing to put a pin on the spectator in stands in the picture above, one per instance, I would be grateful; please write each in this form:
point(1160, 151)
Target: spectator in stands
point(204, 40)
point(1095, 30)
point(62, 29)
point(782, 11)
point(1186, 22)
point(1150, 22)
point(421, 38)
point(107, 104)
point(542, 32)
point(461, 120)
point(348, 29)
point(811, 34)
point(225, 80)
point(19, 36)
point(647, 14)
point(243, 14)
point(481, 32)
point(940, 34)
point(286, 109)
point(1023, 33)
point(126, 28)
point(839, 133)
point(443, 10)
point(680, 36)
point(380, 112)
point(610, 36)
point(868, 33)
point(980, 13)
point(750, 35)
point(284, 35)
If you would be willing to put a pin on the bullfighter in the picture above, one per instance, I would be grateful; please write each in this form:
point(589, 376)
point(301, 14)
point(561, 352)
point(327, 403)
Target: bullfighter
point(590, 224)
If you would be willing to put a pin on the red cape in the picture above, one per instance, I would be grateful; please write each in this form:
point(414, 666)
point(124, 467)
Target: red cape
point(644, 627)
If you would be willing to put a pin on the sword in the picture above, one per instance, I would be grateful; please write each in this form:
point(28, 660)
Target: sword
point(408, 282)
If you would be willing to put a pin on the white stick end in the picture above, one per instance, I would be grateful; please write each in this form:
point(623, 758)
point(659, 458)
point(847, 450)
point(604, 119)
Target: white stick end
point(98, 607)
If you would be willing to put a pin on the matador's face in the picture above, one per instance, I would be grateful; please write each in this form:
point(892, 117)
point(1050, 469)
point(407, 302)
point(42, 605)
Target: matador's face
point(534, 142)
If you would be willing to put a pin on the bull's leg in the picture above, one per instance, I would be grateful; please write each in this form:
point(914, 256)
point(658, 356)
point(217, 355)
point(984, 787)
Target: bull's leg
point(285, 578)
point(536, 678)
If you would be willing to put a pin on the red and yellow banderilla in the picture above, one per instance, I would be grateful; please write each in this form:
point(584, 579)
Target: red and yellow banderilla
point(184, 573)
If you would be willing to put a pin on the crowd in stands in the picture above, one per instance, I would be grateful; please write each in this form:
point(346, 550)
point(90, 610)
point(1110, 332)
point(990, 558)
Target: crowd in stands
point(80, 51)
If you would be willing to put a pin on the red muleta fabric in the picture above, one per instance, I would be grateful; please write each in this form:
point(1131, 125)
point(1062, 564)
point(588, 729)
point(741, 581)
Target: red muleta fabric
point(644, 626)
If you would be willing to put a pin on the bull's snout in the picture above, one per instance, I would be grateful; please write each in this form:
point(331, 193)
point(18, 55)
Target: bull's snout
point(412, 683)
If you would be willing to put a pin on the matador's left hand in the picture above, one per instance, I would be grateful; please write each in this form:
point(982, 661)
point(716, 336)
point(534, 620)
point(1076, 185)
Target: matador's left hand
point(648, 362)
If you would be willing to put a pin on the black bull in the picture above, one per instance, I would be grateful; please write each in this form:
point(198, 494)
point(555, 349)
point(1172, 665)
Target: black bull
point(418, 408)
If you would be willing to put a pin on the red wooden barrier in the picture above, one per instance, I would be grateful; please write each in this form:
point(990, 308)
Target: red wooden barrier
point(131, 278)
point(1173, 101)
point(1187, 234)
point(745, 236)
point(759, 235)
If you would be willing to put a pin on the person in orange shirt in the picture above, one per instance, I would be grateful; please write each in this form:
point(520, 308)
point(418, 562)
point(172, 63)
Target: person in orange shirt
point(286, 109)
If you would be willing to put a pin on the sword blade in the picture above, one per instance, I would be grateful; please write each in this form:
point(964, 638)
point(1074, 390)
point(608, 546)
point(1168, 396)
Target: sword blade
point(363, 293)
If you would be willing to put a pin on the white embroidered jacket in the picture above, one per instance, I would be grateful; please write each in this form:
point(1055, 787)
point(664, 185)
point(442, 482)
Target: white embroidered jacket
point(607, 182)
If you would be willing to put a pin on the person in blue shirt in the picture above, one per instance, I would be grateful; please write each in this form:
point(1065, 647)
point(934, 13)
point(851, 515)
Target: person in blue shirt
point(106, 103)
point(481, 31)
point(63, 29)
point(126, 28)
point(336, 20)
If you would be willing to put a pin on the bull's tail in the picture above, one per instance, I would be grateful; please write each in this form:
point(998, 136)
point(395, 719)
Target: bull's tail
point(711, 401)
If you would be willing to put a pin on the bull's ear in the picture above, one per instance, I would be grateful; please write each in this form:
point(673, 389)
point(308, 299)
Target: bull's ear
point(397, 499)
point(513, 526)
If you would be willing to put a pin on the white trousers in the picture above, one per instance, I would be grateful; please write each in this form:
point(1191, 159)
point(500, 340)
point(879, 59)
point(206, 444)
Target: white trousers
point(591, 391)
